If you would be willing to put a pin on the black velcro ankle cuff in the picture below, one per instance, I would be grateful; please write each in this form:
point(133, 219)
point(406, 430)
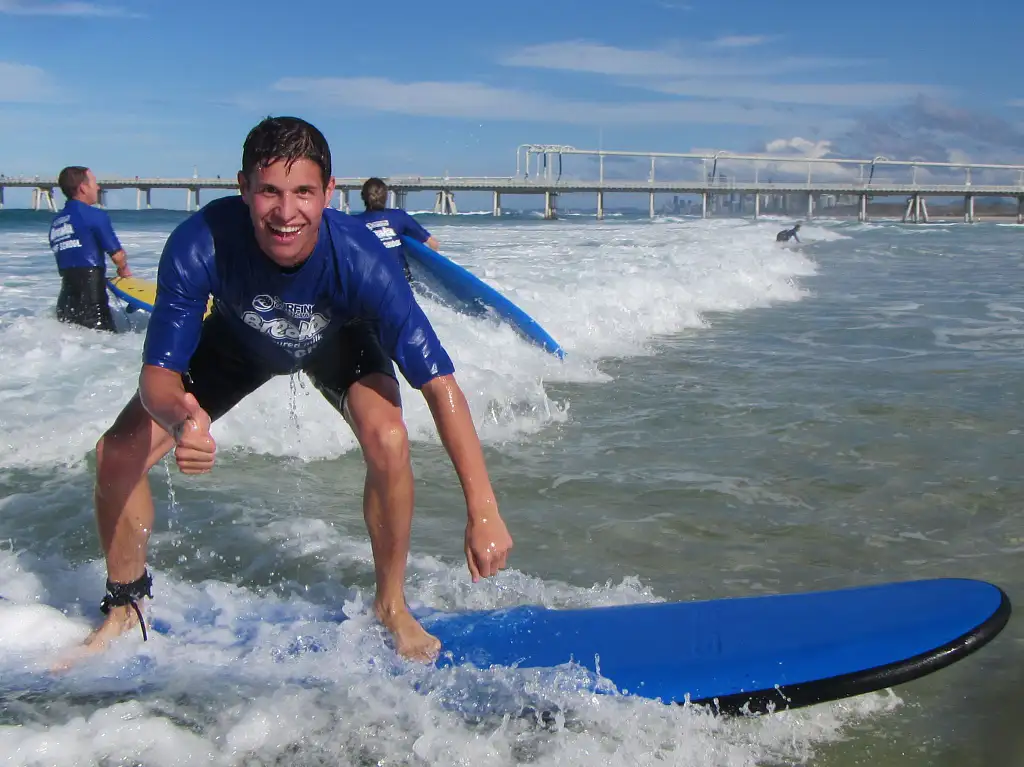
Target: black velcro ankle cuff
point(120, 594)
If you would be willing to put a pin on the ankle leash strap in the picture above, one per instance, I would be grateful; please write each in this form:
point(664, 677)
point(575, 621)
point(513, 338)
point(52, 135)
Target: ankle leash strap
point(119, 594)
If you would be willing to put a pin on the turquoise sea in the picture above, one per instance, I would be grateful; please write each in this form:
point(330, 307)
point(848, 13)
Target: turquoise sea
point(733, 417)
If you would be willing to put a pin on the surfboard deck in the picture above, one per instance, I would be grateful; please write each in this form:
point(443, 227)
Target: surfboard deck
point(140, 294)
point(737, 655)
point(744, 654)
point(465, 292)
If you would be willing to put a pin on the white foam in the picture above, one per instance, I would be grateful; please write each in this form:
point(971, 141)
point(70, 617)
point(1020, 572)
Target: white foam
point(36, 628)
point(231, 676)
point(600, 288)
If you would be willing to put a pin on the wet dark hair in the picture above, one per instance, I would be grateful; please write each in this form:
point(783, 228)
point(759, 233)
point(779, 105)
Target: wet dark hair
point(288, 139)
point(374, 194)
point(71, 178)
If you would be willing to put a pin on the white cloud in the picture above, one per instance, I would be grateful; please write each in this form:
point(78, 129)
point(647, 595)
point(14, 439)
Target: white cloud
point(598, 58)
point(823, 94)
point(42, 8)
point(791, 152)
point(1015, 103)
point(740, 41)
point(958, 156)
point(481, 101)
point(799, 146)
point(25, 83)
point(580, 56)
point(719, 71)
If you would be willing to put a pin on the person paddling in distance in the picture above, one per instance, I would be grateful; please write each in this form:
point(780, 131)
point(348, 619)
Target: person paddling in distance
point(296, 287)
point(788, 234)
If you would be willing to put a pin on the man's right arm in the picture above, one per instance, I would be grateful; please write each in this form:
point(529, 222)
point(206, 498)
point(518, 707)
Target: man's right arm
point(180, 415)
point(184, 283)
point(163, 395)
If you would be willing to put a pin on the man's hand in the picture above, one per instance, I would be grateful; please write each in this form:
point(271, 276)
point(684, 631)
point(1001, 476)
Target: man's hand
point(487, 542)
point(195, 447)
point(120, 259)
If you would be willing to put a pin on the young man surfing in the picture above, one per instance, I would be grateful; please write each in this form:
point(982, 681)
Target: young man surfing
point(295, 287)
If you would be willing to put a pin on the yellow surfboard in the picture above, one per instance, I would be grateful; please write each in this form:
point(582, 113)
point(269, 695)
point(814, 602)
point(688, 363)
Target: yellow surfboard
point(141, 294)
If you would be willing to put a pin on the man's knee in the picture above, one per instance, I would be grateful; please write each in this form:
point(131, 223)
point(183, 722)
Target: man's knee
point(385, 444)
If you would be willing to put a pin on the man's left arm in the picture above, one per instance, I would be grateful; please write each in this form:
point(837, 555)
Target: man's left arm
point(416, 230)
point(380, 292)
point(487, 539)
point(112, 246)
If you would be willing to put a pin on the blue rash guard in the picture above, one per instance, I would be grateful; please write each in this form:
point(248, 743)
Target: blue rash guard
point(81, 235)
point(281, 316)
point(390, 224)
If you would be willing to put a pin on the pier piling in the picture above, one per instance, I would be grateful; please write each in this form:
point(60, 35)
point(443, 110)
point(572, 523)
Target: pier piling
point(550, 210)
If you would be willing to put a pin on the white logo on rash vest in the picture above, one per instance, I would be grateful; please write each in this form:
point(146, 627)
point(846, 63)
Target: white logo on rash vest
point(294, 327)
point(62, 234)
point(385, 233)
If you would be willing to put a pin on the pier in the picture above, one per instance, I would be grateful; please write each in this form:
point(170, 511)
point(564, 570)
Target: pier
point(743, 184)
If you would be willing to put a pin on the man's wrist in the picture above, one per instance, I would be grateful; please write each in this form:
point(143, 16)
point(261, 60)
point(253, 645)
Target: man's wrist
point(481, 506)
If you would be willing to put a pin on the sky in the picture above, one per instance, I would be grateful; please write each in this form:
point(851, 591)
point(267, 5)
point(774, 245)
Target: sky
point(161, 88)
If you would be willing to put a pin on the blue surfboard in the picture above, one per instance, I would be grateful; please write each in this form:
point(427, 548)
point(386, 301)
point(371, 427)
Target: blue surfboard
point(465, 292)
point(739, 655)
point(743, 654)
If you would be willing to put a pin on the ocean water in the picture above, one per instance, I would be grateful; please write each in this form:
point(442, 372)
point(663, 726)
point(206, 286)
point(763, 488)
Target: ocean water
point(733, 417)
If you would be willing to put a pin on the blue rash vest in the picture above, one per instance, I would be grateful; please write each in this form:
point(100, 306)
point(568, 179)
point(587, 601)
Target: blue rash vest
point(389, 225)
point(81, 235)
point(281, 316)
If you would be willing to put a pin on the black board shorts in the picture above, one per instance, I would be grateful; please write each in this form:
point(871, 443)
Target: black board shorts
point(83, 298)
point(221, 372)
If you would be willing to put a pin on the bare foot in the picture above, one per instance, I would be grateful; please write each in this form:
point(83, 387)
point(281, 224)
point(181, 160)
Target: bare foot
point(412, 641)
point(118, 621)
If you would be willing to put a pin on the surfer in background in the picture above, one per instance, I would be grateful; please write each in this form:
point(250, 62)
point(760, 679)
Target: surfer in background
point(786, 234)
point(389, 224)
point(80, 237)
point(296, 286)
